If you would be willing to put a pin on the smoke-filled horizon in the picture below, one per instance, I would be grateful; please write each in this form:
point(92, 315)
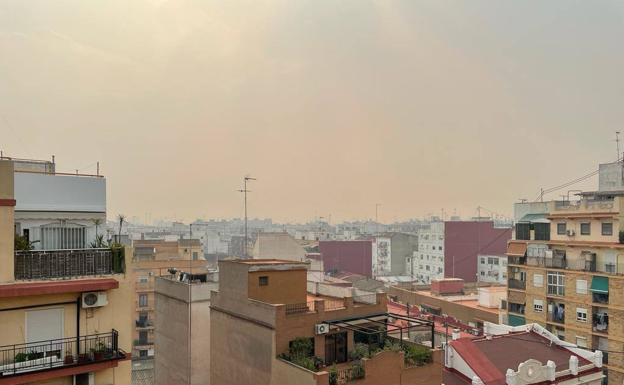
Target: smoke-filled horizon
point(333, 106)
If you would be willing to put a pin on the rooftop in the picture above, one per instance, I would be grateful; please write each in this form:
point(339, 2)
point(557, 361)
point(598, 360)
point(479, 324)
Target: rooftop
point(490, 357)
point(269, 262)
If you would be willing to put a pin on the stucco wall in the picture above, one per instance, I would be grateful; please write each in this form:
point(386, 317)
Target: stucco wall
point(349, 256)
point(287, 287)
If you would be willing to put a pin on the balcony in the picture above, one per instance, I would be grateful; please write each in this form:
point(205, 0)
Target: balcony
point(144, 323)
point(556, 312)
point(555, 263)
point(70, 263)
point(516, 284)
point(59, 354)
point(600, 320)
point(517, 260)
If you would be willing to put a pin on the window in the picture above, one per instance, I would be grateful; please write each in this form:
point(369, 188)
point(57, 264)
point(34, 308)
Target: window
point(542, 231)
point(483, 261)
point(585, 228)
point(581, 314)
point(496, 261)
point(581, 286)
point(490, 261)
point(538, 280)
point(538, 305)
point(556, 283)
point(581, 342)
point(263, 280)
point(607, 228)
point(561, 228)
point(195, 256)
point(142, 353)
point(439, 247)
point(142, 279)
point(523, 231)
point(142, 300)
point(482, 273)
point(428, 267)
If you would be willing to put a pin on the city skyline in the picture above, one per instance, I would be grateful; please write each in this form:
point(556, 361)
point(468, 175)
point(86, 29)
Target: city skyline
point(333, 109)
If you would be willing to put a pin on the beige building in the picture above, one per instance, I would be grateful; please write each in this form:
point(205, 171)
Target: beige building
point(183, 329)
point(278, 246)
point(566, 267)
point(151, 259)
point(65, 314)
point(266, 328)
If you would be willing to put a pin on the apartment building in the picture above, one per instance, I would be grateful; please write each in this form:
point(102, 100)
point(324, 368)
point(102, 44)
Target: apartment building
point(277, 245)
point(349, 256)
point(64, 211)
point(65, 312)
point(492, 269)
point(266, 328)
point(151, 259)
point(521, 355)
point(451, 249)
point(566, 268)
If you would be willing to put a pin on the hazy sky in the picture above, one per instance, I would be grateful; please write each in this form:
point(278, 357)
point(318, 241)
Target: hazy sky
point(333, 105)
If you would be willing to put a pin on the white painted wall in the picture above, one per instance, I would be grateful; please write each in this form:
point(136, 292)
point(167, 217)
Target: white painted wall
point(48, 192)
point(492, 269)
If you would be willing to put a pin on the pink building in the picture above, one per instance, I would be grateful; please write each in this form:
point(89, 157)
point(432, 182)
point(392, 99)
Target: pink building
point(349, 256)
point(465, 241)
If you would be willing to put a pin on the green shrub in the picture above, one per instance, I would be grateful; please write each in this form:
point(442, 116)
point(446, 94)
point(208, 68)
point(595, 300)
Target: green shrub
point(416, 355)
point(333, 375)
point(357, 371)
point(20, 357)
point(359, 351)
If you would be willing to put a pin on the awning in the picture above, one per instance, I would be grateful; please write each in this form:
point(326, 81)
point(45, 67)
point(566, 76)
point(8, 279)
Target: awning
point(600, 285)
point(534, 218)
point(516, 249)
point(515, 320)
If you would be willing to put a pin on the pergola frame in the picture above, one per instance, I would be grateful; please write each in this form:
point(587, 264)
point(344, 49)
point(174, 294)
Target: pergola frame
point(355, 324)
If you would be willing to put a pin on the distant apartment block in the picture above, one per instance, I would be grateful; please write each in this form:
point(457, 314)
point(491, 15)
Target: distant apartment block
point(492, 269)
point(64, 312)
point(451, 249)
point(152, 259)
point(277, 245)
point(350, 256)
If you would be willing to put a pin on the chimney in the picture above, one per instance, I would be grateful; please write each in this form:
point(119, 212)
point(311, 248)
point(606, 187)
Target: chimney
point(574, 365)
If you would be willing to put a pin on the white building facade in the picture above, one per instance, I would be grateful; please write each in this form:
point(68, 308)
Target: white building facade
point(382, 256)
point(492, 269)
point(59, 211)
point(429, 260)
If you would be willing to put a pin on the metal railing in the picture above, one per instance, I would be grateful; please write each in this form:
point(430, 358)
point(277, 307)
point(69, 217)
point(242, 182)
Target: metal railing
point(298, 308)
point(144, 323)
point(44, 355)
point(516, 260)
point(49, 264)
point(556, 263)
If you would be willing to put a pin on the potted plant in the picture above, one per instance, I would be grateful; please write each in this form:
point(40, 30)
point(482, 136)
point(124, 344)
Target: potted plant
point(99, 351)
point(69, 358)
point(83, 357)
point(20, 357)
point(33, 355)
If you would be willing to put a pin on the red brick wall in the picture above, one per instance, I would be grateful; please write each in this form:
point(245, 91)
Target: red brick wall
point(350, 256)
point(463, 241)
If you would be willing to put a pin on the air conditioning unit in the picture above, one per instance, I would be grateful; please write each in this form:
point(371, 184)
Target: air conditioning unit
point(571, 233)
point(94, 299)
point(322, 329)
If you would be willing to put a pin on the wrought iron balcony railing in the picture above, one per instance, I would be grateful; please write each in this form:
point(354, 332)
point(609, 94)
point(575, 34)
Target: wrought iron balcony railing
point(50, 264)
point(61, 353)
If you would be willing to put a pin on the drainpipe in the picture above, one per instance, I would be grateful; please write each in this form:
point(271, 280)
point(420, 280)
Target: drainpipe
point(78, 327)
